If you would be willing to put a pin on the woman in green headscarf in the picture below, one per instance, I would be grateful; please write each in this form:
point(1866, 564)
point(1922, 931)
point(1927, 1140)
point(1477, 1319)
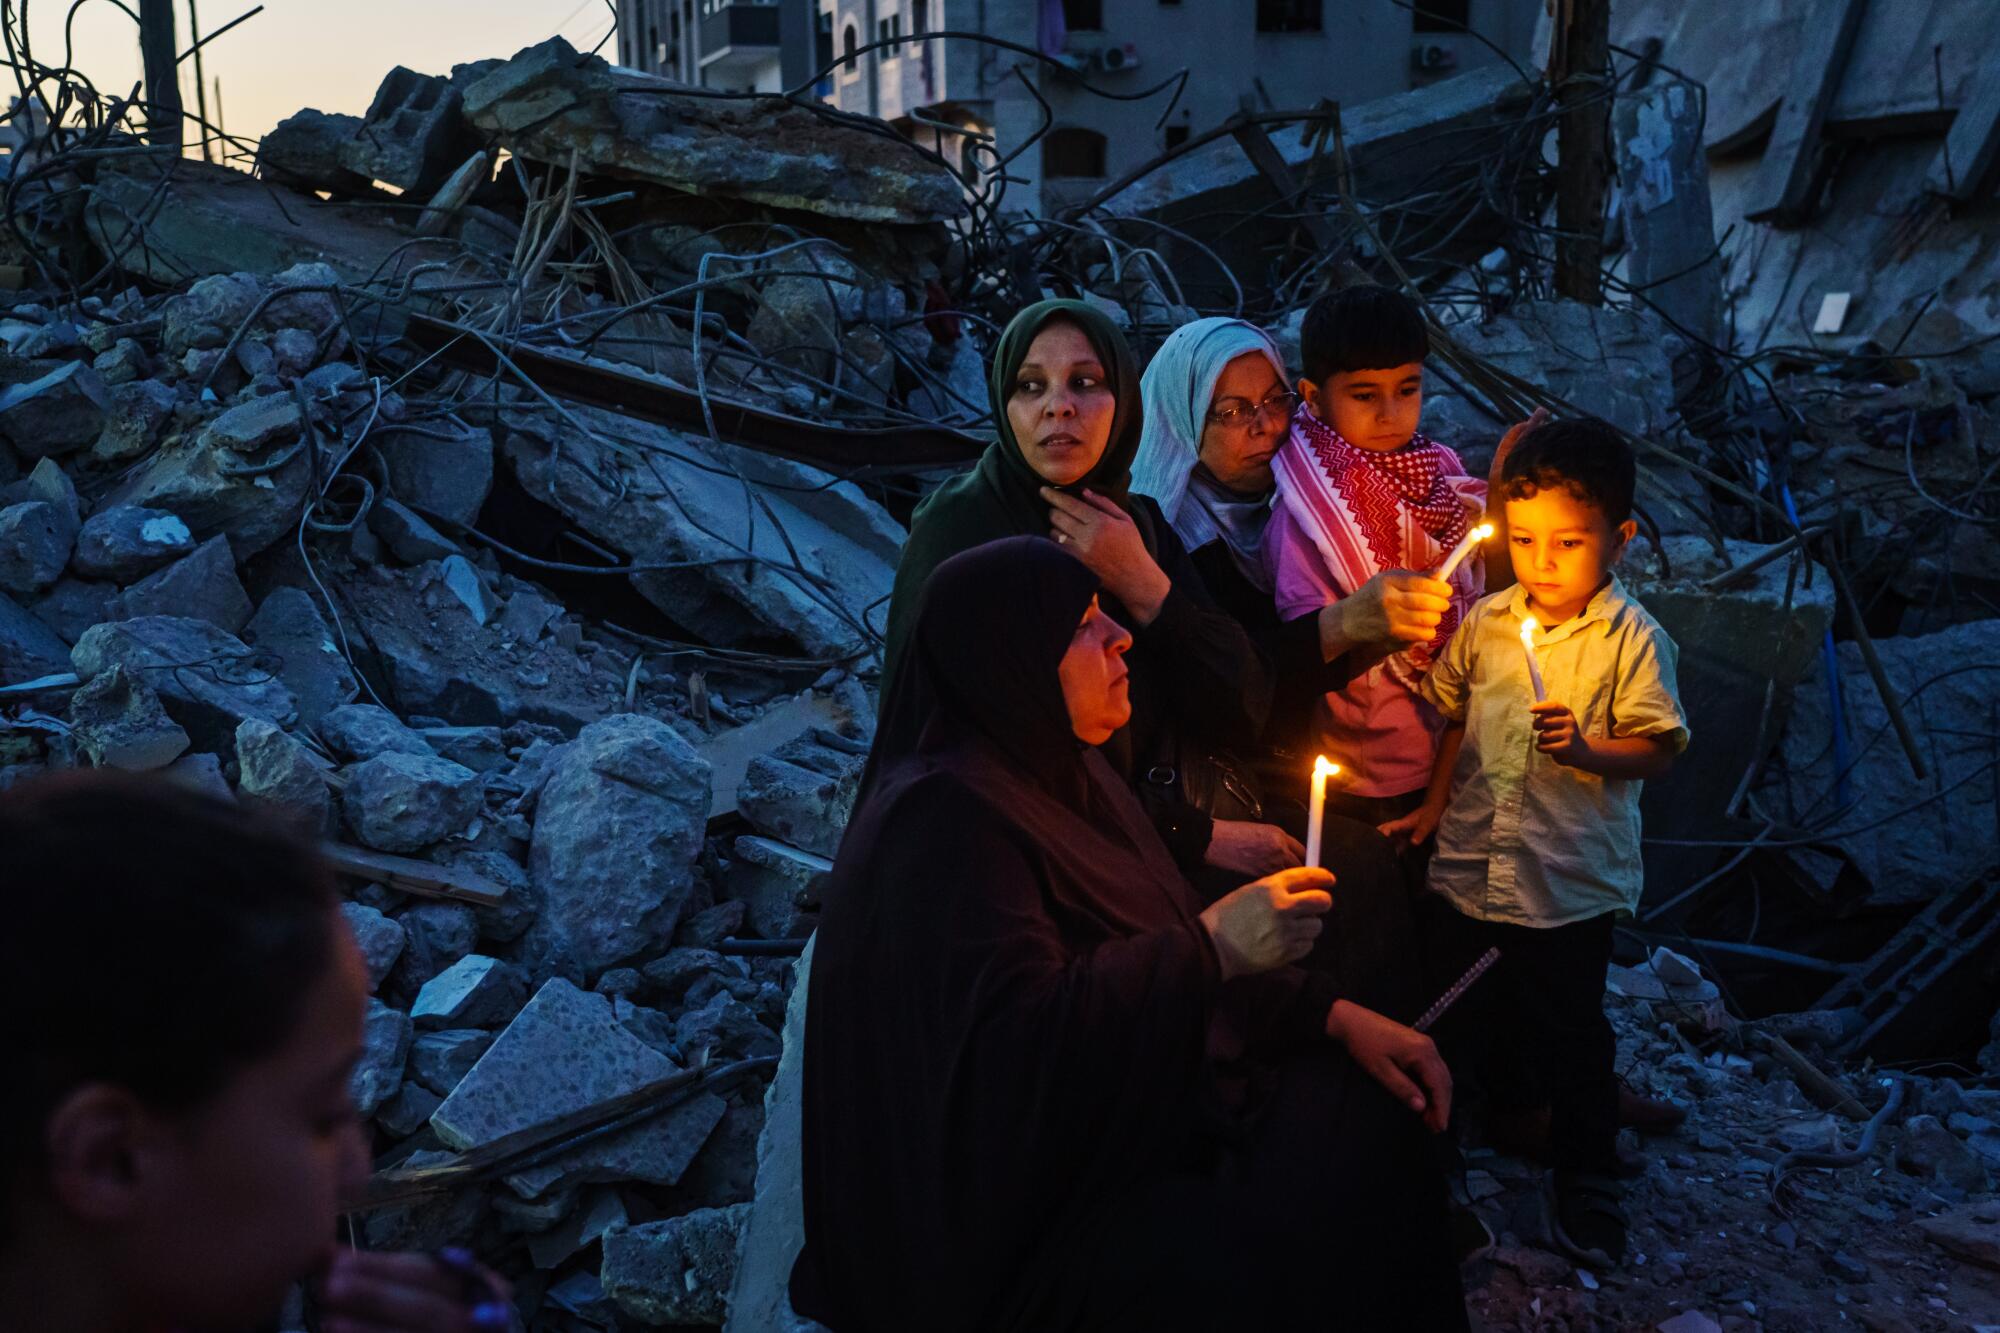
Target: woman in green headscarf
point(1065, 392)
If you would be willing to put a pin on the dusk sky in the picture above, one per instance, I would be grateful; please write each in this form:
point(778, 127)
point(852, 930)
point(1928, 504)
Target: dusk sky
point(329, 54)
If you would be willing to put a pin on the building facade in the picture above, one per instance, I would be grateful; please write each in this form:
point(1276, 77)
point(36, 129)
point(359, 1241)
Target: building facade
point(1276, 54)
point(762, 46)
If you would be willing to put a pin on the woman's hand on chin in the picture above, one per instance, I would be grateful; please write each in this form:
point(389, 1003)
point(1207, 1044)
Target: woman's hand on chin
point(1103, 536)
point(1401, 1059)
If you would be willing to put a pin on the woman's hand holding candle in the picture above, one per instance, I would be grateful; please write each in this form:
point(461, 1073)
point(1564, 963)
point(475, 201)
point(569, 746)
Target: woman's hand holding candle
point(1269, 923)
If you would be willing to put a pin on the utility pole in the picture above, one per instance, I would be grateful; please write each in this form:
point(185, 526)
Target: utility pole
point(1579, 67)
point(161, 59)
point(200, 86)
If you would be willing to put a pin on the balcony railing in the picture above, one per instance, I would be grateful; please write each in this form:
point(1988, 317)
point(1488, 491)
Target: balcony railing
point(739, 25)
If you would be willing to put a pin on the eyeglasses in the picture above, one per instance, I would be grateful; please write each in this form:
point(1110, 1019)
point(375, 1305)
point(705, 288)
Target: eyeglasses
point(1239, 413)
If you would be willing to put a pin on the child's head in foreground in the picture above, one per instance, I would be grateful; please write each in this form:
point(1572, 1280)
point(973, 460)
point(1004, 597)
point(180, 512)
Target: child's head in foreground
point(1362, 352)
point(1568, 490)
point(182, 1006)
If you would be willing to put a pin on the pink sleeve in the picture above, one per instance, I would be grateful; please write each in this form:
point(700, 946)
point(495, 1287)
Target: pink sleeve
point(1299, 582)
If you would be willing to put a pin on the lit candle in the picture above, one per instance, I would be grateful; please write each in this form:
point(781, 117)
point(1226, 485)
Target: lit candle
point(1462, 550)
point(1534, 667)
point(1316, 812)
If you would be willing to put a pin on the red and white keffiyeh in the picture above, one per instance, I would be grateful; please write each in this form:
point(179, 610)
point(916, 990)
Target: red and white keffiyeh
point(1368, 512)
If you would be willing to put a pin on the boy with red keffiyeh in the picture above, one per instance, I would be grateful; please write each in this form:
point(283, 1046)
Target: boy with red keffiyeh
point(1368, 506)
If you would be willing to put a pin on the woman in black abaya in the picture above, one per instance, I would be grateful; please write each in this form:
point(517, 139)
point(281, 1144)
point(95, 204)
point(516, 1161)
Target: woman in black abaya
point(1044, 1088)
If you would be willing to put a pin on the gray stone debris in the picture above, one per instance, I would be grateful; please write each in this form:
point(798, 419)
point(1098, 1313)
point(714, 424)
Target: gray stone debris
point(303, 151)
point(28, 647)
point(282, 781)
point(252, 499)
point(58, 413)
point(439, 1060)
point(132, 425)
point(600, 1211)
point(773, 881)
point(380, 939)
point(35, 540)
point(474, 992)
point(675, 1271)
point(208, 679)
point(441, 468)
point(464, 583)
point(802, 793)
point(72, 606)
point(1929, 1151)
point(117, 721)
point(202, 585)
point(726, 1028)
point(564, 1052)
point(399, 802)
point(440, 934)
point(619, 824)
point(385, 1046)
point(406, 534)
point(251, 426)
point(406, 1112)
point(527, 615)
point(774, 1232)
point(126, 542)
point(412, 135)
point(124, 362)
point(51, 485)
point(206, 313)
point(289, 625)
point(362, 731)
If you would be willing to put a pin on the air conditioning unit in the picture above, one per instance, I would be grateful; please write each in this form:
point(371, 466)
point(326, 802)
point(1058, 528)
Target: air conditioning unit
point(1115, 59)
point(1432, 57)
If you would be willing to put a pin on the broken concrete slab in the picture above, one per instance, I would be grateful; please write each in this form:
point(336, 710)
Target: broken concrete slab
point(820, 553)
point(380, 939)
point(675, 1271)
point(551, 104)
point(619, 824)
point(803, 792)
point(202, 585)
point(362, 731)
point(281, 781)
point(117, 721)
point(729, 752)
point(398, 802)
point(474, 992)
point(289, 625)
point(209, 680)
point(35, 540)
point(303, 151)
point(412, 135)
point(248, 427)
point(438, 1060)
point(1669, 225)
point(406, 534)
point(124, 542)
point(439, 468)
point(58, 413)
point(385, 1037)
point(563, 1052)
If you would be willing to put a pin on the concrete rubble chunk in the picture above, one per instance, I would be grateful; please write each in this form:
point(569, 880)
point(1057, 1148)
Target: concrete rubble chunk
point(303, 151)
point(409, 1110)
point(440, 933)
point(802, 793)
point(438, 1060)
point(132, 425)
point(600, 1211)
point(773, 881)
point(289, 625)
point(52, 486)
point(620, 821)
point(1970, 1231)
point(474, 992)
point(549, 102)
point(675, 1271)
point(464, 583)
point(207, 313)
point(725, 1027)
point(124, 362)
point(412, 136)
point(126, 542)
point(1929, 1151)
point(57, 414)
point(35, 541)
point(248, 427)
point(406, 534)
point(775, 1230)
point(400, 802)
point(362, 731)
point(209, 680)
point(251, 499)
point(202, 585)
point(72, 606)
point(379, 937)
point(527, 615)
point(441, 469)
point(280, 780)
point(385, 1046)
point(563, 1052)
point(117, 721)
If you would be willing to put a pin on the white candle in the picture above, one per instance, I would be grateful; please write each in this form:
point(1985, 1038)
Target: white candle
point(1462, 550)
point(1316, 812)
point(1534, 667)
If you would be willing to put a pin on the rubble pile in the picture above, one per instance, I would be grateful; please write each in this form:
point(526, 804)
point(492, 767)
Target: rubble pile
point(504, 488)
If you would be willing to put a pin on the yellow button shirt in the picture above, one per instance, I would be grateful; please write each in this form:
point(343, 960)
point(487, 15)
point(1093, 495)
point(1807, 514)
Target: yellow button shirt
point(1527, 841)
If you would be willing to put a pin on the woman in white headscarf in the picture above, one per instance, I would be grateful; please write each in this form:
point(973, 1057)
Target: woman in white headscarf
point(1217, 406)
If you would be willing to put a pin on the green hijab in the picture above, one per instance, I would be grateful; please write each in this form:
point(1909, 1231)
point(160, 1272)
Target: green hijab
point(1001, 496)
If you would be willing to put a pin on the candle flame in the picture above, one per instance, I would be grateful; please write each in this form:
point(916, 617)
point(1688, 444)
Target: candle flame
point(1528, 630)
point(1482, 532)
point(1324, 767)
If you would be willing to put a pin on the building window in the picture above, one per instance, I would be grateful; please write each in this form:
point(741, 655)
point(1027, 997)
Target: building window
point(1083, 15)
point(850, 42)
point(1288, 15)
point(1072, 152)
point(920, 17)
point(888, 30)
point(1441, 16)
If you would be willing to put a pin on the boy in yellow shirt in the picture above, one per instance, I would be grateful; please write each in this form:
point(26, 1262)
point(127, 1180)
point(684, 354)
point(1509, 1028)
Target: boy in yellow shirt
point(1536, 804)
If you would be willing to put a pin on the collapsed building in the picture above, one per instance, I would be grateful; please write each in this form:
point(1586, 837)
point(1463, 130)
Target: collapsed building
point(504, 487)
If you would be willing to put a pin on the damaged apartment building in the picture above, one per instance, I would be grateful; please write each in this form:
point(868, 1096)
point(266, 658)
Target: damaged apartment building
point(526, 460)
